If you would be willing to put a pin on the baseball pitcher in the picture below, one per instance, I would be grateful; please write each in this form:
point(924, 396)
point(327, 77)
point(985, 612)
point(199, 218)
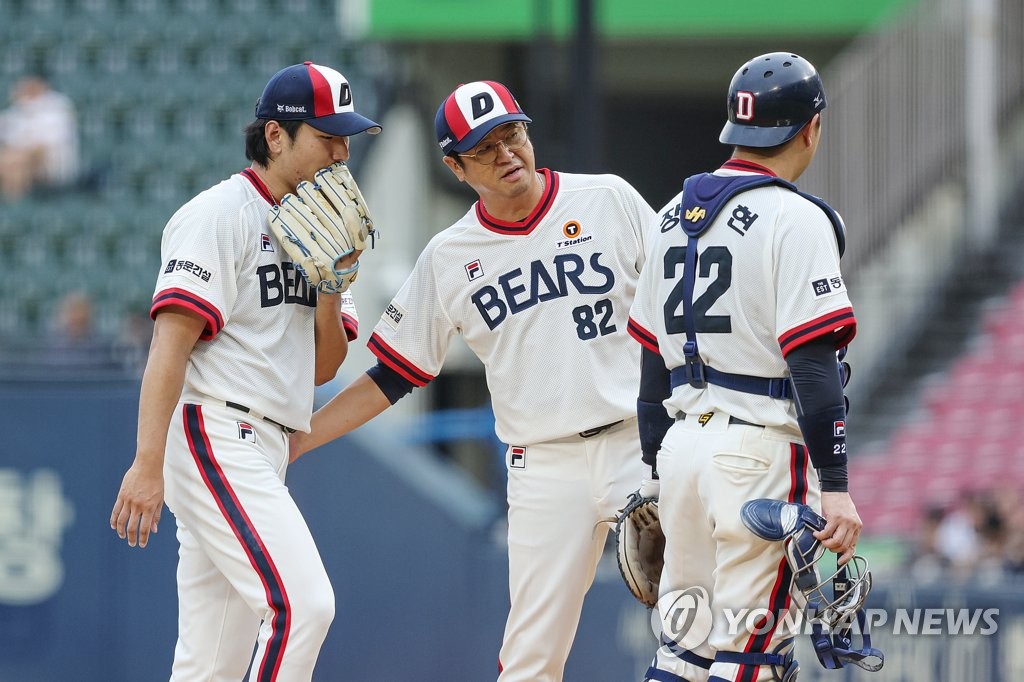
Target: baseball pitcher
point(249, 314)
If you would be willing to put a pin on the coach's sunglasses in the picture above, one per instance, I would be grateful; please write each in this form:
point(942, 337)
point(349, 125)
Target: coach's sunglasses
point(514, 139)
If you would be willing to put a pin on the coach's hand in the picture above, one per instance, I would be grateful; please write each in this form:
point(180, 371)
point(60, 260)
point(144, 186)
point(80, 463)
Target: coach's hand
point(137, 510)
point(843, 525)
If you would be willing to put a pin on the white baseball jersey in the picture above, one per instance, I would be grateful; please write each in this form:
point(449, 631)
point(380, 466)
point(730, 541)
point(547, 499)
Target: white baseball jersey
point(557, 284)
point(768, 280)
point(220, 261)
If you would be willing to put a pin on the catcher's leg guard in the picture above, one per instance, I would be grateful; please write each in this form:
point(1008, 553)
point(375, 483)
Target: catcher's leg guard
point(784, 667)
point(686, 654)
point(656, 674)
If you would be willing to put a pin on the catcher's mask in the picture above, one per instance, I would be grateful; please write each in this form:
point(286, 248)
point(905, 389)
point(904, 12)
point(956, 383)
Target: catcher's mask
point(832, 618)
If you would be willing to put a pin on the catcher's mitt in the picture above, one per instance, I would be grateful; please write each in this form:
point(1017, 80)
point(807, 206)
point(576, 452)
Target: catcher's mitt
point(640, 547)
point(320, 225)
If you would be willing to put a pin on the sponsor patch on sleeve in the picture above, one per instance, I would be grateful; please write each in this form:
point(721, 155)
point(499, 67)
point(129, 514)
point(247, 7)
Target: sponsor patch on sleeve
point(829, 285)
point(190, 271)
point(393, 315)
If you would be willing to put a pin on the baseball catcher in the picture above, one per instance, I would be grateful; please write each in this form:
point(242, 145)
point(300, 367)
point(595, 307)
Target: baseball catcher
point(322, 225)
point(640, 547)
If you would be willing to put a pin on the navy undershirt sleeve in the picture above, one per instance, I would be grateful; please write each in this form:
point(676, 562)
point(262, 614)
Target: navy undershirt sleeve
point(392, 384)
point(821, 409)
point(652, 419)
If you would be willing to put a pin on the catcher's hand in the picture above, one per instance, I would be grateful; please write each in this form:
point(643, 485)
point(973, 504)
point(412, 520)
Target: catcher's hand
point(640, 547)
point(324, 227)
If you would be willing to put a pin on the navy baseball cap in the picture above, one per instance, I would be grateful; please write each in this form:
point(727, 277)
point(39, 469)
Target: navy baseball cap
point(472, 111)
point(316, 94)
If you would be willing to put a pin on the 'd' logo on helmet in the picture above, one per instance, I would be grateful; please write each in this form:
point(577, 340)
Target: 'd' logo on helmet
point(745, 105)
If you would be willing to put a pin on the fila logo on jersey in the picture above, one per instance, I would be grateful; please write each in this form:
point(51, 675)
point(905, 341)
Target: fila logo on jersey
point(246, 432)
point(517, 291)
point(573, 232)
point(705, 418)
point(517, 456)
point(696, 213)
point(829, 285)
point(474, 270)
point(265, 243)
point(839, 428)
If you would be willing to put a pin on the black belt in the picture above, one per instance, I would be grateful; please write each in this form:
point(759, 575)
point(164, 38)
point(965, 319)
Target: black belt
point(243, 408)
point(732, 420)
point(590, 433)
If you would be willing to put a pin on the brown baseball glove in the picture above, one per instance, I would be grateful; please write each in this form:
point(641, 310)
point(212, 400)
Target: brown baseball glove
point(640, 547)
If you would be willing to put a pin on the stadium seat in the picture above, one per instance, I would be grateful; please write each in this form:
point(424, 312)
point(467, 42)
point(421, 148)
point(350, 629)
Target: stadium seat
point(163, 89)
point(966, 438)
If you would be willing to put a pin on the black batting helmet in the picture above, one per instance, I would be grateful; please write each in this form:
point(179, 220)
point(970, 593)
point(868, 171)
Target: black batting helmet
point(771, 98)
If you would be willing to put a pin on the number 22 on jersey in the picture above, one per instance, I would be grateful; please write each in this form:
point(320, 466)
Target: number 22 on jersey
point(716, 258)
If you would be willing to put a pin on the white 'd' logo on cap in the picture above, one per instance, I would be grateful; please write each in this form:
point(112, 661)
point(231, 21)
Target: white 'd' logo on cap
point(479, 105)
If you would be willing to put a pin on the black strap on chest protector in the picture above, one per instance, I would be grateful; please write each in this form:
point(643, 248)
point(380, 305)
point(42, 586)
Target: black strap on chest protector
point(704, 196)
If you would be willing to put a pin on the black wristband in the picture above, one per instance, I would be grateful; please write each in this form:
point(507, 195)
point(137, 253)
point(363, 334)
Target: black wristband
point(834, 479)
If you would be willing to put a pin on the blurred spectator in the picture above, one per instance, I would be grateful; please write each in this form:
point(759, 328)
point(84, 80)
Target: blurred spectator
point(38, 139)
point(74, 342)
point(957, 534)
point(1008, 503)
point(990, 566)
point(133, 342)
point(979, 541)
point(927, 565)
point(1015, 542)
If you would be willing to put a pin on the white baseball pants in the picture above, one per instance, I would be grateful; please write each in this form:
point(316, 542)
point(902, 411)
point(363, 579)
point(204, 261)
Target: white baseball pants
point(246, 555)
point(707, 472)
point(558, 493)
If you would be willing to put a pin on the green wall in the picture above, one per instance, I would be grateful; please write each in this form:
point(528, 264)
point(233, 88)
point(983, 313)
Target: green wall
point(519, 19)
